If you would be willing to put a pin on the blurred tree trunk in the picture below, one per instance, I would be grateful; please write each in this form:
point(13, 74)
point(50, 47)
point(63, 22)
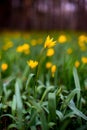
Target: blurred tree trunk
point(5, 13)
point(27, 14)
point(43, 14)
point(81, 15)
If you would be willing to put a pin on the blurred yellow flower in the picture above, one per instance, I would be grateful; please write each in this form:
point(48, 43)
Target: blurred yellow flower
point(84, 60)
point(69, 50)
point(53, 70)
point(77, 63)
point(4, 66)
point(82, 45)
point(19, 49)
point(82, 38)
point(62, 39)
point(50, 52)
point(49, 42)
point(32, 63)
point(25, 48)
point(8, 45)
point(48, 65)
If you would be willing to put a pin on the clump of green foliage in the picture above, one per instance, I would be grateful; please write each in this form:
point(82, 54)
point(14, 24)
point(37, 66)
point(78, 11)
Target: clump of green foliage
point(37, 97)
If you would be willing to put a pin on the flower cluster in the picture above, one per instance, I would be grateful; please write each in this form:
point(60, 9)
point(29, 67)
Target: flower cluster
point(82, 41)
point(51, 66)
point(8, 45)
point(25, 48)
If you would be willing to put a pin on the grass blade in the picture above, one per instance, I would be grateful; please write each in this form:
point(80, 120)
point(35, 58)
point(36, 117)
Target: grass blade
point(52, 107)
point(68, 99)
point(44, 123)
point(59, 114)
point(77, 84)
point(13, 105)
point(28, 80)
point(76, 111)
point(19, 104)
point(46, 91)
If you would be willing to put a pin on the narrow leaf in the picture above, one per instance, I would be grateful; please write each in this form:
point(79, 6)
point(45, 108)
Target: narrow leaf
point(52, 107)
point(77, 84)
point(19, 104)
point(44, 123)
point(76, 111)
point(68, 99)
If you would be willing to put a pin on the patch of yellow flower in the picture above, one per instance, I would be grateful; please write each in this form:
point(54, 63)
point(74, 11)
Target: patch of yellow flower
point(4, 66)
point(82, 40)
point(51, 66)
point(50, 52)
point(84, 60)
point(69, 50)
point(19, 48)
point(77, 64)
point(25, 48)
point(53, 70)
point(62, 39)
point(49, 42)
point(8, 45)
point(32, 64)
point(48, 65)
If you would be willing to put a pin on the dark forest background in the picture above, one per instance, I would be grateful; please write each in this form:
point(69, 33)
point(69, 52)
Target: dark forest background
point(43, 14)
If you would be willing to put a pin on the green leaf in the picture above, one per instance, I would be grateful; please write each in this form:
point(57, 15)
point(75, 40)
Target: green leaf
point(18, 95)
point(51, 124)
point(32, 118)
point(9, 115)
point(19, 104)
point(12, 126)
point(33, 128)
point(76, 111)
point(68, 98)
point(52, 107)
point(69, 115)
point(77, 84)
point(59, 114)
point(28, 80)
point(48, 89)
point(40, 88)
point(8, 80)
point(25, 73)
point(44, 123)
point(13, 107)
